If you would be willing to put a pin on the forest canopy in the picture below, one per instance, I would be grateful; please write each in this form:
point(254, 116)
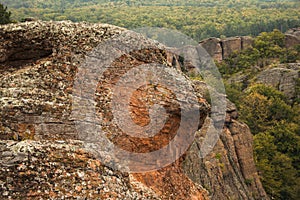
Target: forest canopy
point(199, 19)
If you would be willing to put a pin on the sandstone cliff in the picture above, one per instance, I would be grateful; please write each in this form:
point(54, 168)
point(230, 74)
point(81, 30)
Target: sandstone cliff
point(221, 49)
point(42, 154)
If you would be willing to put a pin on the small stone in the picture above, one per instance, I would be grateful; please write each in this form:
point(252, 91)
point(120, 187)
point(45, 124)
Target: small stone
point(80, 174)
point(5, 193)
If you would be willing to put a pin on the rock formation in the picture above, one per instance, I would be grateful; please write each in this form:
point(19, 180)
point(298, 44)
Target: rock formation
point(213, 46)
point(43, 155)
point(284, 78)
point(228, 172)
point(292, 37)
point(220, 49)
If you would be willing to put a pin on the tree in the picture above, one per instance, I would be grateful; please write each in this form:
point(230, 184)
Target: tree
point(4, 15)
point(263, 106)
point(270, 45)
point(255, 112)
point(277, 158)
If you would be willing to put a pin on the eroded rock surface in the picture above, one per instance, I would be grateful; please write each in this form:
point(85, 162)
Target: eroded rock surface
point(62, 170)
point(36, 104)
point(227, 172)
point(292, 37)
point(42, 154)
point(284, 78)
point(213, 47)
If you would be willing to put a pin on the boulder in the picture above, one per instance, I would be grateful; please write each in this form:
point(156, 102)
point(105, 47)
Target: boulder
point(213, 48)
point(283, 78)
point(291, 40)
point(231, 45)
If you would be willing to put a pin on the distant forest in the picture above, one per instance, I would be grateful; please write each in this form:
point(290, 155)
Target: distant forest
point(199, 19)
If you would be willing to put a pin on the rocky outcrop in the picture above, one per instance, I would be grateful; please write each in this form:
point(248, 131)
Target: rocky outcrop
point(37, 103)
point(220, 49)
point(291, 40)
point(294, 31)
point(213, 47)
point(59, 170)
point(43, 153)
point(230, 45)
point(292, 37)
point(228, 172)
point(284, 77)
point(247, 42)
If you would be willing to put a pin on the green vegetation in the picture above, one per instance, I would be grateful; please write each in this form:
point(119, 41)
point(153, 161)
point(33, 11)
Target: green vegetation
point(4, 15)
point(275, 125)
point(268, 48)
point(272, 118)
point(199, 19)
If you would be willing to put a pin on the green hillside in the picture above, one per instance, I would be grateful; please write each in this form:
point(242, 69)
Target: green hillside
point(197, 18)
point(272, 116)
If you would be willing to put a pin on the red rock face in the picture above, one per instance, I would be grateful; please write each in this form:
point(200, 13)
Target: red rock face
point(140, 101)
point(171, 182)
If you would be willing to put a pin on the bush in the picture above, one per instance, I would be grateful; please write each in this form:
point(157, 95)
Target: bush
point(4, 15)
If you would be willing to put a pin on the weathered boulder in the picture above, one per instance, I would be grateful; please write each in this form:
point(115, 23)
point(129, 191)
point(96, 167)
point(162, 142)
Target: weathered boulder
point(213, 48)
point(230, 45)
point(283, 78)
point(291, 40)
